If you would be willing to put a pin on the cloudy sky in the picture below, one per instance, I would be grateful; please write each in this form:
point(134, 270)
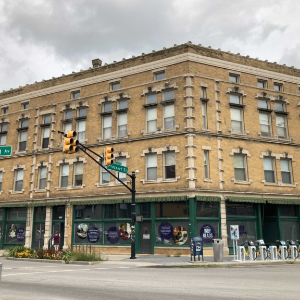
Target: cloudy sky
point(40, 39)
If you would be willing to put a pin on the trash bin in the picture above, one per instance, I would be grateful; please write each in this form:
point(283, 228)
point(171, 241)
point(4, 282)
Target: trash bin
point(0, 271)
point(218, 249)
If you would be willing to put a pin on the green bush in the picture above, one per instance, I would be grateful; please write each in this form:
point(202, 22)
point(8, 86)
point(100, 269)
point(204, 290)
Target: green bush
point(21, 252)
point(78, 256)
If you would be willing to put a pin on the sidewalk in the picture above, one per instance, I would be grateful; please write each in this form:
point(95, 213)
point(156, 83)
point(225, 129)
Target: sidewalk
point(185, 261)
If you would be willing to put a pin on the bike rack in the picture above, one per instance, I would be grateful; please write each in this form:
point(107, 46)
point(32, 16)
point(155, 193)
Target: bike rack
point(273, 252)
point(241, 253)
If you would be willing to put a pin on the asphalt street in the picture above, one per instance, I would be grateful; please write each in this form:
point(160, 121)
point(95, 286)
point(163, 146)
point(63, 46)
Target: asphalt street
point(129, 280)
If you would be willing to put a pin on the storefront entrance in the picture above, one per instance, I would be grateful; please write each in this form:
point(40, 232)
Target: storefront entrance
point(58, 223)
point(38, 228)
point(145, 238)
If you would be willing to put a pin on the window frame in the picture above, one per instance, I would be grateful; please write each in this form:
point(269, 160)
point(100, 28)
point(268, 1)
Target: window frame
point(40, 179)
point(204, 120)
point(263, 82)
point(278, 87)
point(171, 117)
point(81, 134)
point(236, 78)
point(104, 129)
point(16, 172)
point(76, 173)
point(122, 125)
point(158, 74)
point(240, 121)
point(244, 168)
point(148, 155)
point(273, 170)
point(289, 163)
point(64, 176)
point(1, 180)
point(169, 166)
point(278, 115)
point(206, 166)
point(149, 121)
point(75, 95)
point(269, 126)
point(114, 86)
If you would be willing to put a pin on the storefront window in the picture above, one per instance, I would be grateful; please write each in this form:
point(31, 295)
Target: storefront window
point(117, 211)
point(270, 231)
point(88, 233)
point(290, 230)
point(240, 209)
point(17, 214)
point(117, 233)
point(247, 231)
point(38, 235)
point(15, 233)
point(88, 212)
point(270, 210)
point(172, 210)
point(1, 214)
point(288, 210)
point(40, 213)
point(207, 209)
point(145, 210)
point(208, 230)
point(58, 213)
point(172, 233)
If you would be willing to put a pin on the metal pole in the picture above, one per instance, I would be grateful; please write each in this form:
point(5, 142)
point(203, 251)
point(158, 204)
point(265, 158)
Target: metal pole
point(133, 214)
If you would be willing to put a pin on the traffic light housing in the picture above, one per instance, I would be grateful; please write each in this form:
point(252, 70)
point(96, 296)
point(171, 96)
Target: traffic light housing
point(109, 157)
point(70, 143)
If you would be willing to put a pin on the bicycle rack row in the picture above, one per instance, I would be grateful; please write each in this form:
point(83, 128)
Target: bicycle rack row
point(259, 251)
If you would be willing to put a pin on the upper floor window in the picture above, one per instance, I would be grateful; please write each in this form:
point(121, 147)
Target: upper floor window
point(42, 178)
point(262, 84)
point(64, 175)
point(263, 104)
point(206, 164)
point(46, 119)
point(105, 176)
point(3, 134)
point(204, 114)
point(151, 98)
point(123, 161)
point(280, 107)
point(278, 87)
point(4, 110)
point(78, 174)
point(233, 78)
point(81, 130)
point(107, 127)
point(239, 162)
point(269, 169)
point(25, 105)
point(75, 95)
point(169, 165)
point(265, 123)
point(159, 75)
point(235, 99)
point(286, 174)
point(82, 112)
point(237, 125)
point(68, 114)
point(203, 92)
point(122, 124)
point(123, 104)
point(46, 131)
point(115, 86)
point(151, 166)
point(107, 107)
point(169, 119)
point(168, 95)
point(281, 125)
point(18, 185)
point(1, 175)
point(151, 119)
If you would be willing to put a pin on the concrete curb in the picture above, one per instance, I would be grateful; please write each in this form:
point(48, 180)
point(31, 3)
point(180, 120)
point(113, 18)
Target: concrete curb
point(54, 261)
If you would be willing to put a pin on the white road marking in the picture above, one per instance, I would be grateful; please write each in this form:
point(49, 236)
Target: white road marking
point(123, 267)
point(101, 268)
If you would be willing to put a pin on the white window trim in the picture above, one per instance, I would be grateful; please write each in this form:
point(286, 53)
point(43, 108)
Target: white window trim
point(3, 171)
point(17, 167)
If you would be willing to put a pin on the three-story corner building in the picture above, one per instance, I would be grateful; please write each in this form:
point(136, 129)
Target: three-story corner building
point(214, 136)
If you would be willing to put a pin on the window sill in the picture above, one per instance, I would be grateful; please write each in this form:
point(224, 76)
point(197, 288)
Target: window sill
point(17, 192)
point(207, 180)
point(21, 152)
point(40, 191)
point(159, 180)
point(112, 183)
point(69, 188)
point(242, 182)
point(280, 184)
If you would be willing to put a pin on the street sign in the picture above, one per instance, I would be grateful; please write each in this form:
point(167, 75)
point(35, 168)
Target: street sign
point(118, 168)
point(5, 150)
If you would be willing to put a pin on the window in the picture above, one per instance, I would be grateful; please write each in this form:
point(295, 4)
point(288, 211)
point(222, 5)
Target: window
point(269, 169)
point(281, 126)
point(203, 93)
point(151, 119)
point(278, 87)
point(206, 164)
point(4, 110)
point(262, 84)
point(78, 174)
point(82, 112)
point(81, 131)
point(151, 98)
point(42, 178)
point(68, 114)
point(263, 104)
point(19, 173)
point(1, 175)
point(233, 78)
point(3, 134)
point(46, 131)
point(265, 124)
point(23, 135)
point(151, 166)
point(105, 176)
point(169, 119)
point(122, 125)
point(75, 95)
point(236, 120)
point(47, 119)
point(169, 163)
point(107, 123)
point(67, 127)
point(25, 105)
point(115, 86)
point(234, 99)
point(239, 167)
point(123, 104)
point(159, 76)
point(123, 161)
point(107, 107)
point(285, 165)
point(168, 95)
point(204, 114)
point(64, 175)
point(280, 106)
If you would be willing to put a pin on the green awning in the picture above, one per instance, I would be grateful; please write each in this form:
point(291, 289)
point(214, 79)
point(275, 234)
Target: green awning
point(2, 205)
point(208, 198)
point(161, 199)
point(283, 201)
point(52, 203)
point(246, 199)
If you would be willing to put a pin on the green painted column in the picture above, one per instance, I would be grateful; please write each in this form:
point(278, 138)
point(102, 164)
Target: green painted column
point(137, 230)
point(3, 228)
point(259, 222)
point(192, 213)
point(278, 222)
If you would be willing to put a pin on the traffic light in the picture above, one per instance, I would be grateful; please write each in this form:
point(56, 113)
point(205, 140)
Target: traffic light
point(70, 144)
point(109, 157)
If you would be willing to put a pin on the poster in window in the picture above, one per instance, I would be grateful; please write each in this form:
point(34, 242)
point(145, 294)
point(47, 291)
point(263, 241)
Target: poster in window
point(180, 235)
point(112, 235)
point(93, 235)
point(12, 231)
point(124, 231)
point(234, 232)
point(20, 234)
point(207, 232)
point(165, 231)
point(82, 230)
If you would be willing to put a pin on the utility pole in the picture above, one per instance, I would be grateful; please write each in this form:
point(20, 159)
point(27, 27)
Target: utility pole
point(133, 215)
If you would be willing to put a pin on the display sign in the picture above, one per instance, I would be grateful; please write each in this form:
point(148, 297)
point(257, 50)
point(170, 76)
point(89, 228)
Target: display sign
point(165, 230)
point(118, 168)
point(234, 232)
point(93, 235)
point(207, 232)
point(5, 150)
point(112, 235)
point(20, 234)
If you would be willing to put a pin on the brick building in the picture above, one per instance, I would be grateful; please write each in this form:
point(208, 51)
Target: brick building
point(213, 135)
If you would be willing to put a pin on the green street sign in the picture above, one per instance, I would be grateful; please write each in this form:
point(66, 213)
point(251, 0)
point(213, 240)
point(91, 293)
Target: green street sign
point(5, 150)
point(118, 168)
